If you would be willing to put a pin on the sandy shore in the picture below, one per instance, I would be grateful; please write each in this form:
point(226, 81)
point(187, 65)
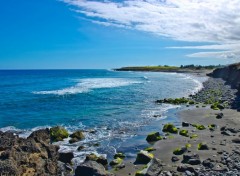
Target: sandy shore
point(217, 142)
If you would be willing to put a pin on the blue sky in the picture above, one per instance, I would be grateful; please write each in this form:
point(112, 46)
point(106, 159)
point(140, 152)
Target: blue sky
point(42, 34)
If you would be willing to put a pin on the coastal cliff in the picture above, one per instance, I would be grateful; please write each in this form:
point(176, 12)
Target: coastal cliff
point(231, 74)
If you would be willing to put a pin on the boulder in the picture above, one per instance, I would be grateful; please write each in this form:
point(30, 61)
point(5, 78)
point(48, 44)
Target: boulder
point(170, 128)
point(116, 161)
point(66, 157)
point(203, 146)
point(152, 137)
point(91, 168)
point(184, 133)
point(208, 163)
point(144, 157)
point(236, 141)
point(184, 168)
point(119, 155)
point(155, 167)
point(80, 148)
point(99, 159)
point(41, 136)
point(219, 115)
point(191, 159)
point(58, 134)
point(78, 134)
point(185, 124)
point(28, 156)
point(175, 159)
point(180, 151)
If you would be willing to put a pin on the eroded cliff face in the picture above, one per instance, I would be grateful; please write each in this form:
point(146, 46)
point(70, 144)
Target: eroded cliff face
point(231, 74)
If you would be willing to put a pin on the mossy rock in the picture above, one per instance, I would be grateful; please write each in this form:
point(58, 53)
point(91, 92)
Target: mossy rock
point(212, 127)
point(99, 159)
point(203, 146)
point(80, 148)
point(191, 102)
point(175, 101)
point(119, 155)
point(92, 157)
point(78, 135)
point(152, 137)
point(144, 157)
point(179, 151)
point(193, 136)
point(140, 173)
point(116, 161)
point(149, 149)
point(184, 133)
point(170, 128)
point(188, 146)
point(58, 133)
point(199, 127)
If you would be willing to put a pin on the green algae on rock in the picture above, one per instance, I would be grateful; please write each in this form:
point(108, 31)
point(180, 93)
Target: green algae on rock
point(144, 157)
point(152, 137)
point(184, 133)
point(58, 133)
point(170, 128)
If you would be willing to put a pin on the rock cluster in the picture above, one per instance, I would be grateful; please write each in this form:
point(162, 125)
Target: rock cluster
point(31, 156)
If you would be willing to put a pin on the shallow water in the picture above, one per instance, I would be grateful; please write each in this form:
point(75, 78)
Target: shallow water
point(118, 105)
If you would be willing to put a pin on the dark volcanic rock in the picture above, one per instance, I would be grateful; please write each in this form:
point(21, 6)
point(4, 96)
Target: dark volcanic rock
point(155, 168)
point(236, 140)
point(91, 168)
point(208, 163)
point(66, 157)
point(191, 159)
point(32, 156)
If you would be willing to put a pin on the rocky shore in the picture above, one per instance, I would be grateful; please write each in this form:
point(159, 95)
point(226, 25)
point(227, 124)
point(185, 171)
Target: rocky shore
point(206, 142)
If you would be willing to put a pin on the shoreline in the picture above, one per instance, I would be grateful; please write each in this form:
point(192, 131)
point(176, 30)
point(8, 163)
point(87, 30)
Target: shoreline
point(163, 150)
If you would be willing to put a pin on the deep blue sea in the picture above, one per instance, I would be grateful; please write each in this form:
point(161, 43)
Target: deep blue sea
point(118, 105)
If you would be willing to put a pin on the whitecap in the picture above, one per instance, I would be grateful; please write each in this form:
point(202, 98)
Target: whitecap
point(86, 85)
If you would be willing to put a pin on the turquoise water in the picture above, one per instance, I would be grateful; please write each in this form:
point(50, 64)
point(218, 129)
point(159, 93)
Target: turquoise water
point(118, 105)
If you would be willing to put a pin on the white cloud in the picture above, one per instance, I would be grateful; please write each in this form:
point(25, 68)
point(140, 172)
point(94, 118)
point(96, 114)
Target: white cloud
point(214, 21)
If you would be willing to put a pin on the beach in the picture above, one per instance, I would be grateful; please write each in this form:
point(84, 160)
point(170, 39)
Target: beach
point(194, 139)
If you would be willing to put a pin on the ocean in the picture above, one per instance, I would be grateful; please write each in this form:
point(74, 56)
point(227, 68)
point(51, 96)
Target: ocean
point(118, 106)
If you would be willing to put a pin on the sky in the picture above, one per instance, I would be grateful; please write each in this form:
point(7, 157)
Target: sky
point(84, 34)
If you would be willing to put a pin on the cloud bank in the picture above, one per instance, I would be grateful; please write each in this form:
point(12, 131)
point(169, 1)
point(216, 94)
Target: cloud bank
point(216, 22)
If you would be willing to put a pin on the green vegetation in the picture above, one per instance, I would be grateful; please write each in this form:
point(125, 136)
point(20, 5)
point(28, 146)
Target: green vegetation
point(199, 67)
point(168, 68)
point(149, 68)
point(184, 133)
point(170, 128)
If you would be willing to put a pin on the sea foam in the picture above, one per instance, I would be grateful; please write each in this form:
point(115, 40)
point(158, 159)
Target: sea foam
point(86, 85)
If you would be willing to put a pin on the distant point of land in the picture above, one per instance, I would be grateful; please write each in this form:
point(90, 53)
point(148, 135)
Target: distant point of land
point(167, 68)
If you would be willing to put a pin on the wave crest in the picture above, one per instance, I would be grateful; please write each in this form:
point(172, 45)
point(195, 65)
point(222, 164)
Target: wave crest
point(86, 85)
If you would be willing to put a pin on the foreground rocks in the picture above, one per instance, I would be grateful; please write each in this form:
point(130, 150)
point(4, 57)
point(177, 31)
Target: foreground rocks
point(91, 168)
point(32, 156)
